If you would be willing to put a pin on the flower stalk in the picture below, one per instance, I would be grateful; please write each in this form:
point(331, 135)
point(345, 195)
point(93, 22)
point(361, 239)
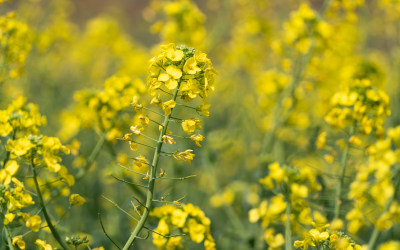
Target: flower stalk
point(53, 230)
point(152, 178)
point(343, 164)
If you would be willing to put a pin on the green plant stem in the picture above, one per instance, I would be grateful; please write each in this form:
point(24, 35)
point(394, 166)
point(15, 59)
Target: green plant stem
point(93, 156)
point(8, 235)
point(342, 171)
point(9, 240)
point(53, 230)
point(152, 178)
point(288, 232)
point(376, 232)
point(8, 152)
point(280, 114)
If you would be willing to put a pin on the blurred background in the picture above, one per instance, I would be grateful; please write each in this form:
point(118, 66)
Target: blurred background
point(272, 93)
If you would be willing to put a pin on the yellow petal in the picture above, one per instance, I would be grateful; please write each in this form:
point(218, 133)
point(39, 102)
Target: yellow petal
point(171, 84)
point(163, 77)
point(76, 200)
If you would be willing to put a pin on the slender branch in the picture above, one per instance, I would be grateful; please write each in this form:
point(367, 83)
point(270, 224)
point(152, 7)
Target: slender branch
point(136, 210)
point(148, 137)
point(135, 219)
point(128, 182)
point(104, 231)
point(156, 122)
point(8, 234)
point(9, 240)
point(155, 112)
point(53, 230)
point(184, 105)
point(343, 164)
point(93, 156)
point(143, 144)
point(153, 171)
point(288, 232)
point(8, 152)
point(120, 208)
point(130, 170)
point(166, 92)
point(177, 178)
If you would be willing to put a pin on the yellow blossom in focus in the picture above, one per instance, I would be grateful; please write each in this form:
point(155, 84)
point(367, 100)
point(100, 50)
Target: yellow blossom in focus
point(186, 155)
point(172, 53)
point(43, 245)
point(190, 66)
point(168, 139)
point(18, 241)
point(167, 106)
point(33, 223)
point(197, 138)
point(19, 147)
point(189, 126)
point(172, 73)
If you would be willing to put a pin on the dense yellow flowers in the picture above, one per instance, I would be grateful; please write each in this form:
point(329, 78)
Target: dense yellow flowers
point(188, 219)
point(322, 237)
point(98, 109)
point(359, 105)
point(182, 22)
point(15, 44)
point(291, 187)
point(305, 134)
point(377, 178)
point(189, 74)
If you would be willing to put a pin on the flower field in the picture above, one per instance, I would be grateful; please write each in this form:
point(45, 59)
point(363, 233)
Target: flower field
point(215, 124)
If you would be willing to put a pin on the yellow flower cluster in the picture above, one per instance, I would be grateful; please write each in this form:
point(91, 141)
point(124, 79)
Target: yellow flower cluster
point(349, 6)
point(99, 110)
point(298, 182)
point(377, 178)
point(19, 123)
point(291, 187)
point(15, 198)
point(189, 74)
point(21, 118)
point(188, 219)
point(321, 237)
point(41, 244)
point(192, 69)
point(303, 29)
point(182, 22)
point(15, 44)
point(25, 144)
point(359, 105)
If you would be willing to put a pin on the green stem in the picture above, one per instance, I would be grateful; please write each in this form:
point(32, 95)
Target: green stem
point(92, 156)
point(376, 232)
point(343, 164)
point(8, 235)
point(9, 240)
point(53, 230)
point(280, 114)
point(288, 232)
point(8, 152)
point(153, 171)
